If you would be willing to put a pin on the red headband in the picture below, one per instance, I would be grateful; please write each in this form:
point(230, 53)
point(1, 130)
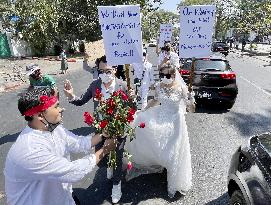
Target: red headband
point(45, 103)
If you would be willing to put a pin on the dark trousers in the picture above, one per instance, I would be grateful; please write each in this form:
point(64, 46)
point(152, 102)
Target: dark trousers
point(117, 172)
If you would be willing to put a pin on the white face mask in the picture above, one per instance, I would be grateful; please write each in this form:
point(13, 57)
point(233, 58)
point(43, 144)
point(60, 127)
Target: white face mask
point(106, 78)
point(166, 81)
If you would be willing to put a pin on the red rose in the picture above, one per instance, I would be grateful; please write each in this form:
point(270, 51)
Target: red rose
point(116, 93)
point(88, 118)
point(110, 111)
point(103, 124)
point(142, 125)
point(129, 165)
point(132, 111)
point(111, 103)
point(98, 94)
point(124, 97)
point(130, 118)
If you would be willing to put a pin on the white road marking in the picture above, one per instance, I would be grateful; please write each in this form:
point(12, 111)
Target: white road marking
point(256, 86)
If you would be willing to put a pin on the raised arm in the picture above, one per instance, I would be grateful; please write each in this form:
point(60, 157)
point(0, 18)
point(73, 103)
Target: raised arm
point(85, 97)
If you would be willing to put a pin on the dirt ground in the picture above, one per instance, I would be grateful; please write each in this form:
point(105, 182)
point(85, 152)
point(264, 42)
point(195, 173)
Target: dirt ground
point(12, 71)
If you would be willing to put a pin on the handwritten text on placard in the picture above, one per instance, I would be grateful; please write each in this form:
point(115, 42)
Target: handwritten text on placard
point(196, 29)
point(165, 33)
point(121, 30)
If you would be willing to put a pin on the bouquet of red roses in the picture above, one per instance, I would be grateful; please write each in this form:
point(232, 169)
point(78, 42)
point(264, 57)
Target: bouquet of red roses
point(113, 116)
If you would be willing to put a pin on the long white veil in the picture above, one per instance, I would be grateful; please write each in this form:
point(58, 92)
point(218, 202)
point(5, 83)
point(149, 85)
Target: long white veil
point(189, 97)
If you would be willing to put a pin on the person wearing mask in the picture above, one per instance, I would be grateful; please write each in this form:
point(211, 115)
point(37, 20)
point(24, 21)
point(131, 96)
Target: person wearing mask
point(167, 54)
point(143, 76)
point(38, 168)
point(107, 84)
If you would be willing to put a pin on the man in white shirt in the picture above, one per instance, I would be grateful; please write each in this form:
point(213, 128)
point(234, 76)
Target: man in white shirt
point(143, 76)
point(38, 169)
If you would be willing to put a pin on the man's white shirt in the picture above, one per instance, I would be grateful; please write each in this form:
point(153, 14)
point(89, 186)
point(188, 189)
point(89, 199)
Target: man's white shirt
point(144, 72)
point(38, 169)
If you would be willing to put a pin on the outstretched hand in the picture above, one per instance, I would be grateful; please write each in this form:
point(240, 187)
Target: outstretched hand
point(68, 90)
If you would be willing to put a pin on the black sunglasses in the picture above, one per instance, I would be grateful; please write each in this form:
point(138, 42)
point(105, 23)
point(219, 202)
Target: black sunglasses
point(105, 71)
point(162, 75)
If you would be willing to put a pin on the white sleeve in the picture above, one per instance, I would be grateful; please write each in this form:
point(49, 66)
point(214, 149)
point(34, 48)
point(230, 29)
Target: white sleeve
point(77, 144)
point(43, 164)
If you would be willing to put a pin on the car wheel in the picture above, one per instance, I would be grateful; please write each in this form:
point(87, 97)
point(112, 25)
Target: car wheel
point(237, 198)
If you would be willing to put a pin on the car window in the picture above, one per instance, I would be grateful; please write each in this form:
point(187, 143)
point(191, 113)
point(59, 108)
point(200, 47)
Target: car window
point(265, 140)
point(210, 65)
point(215, 65)
point(220, 44)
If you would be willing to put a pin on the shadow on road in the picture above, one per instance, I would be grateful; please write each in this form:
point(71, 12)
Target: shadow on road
point(8, 138)
point(211, 109)
point(224, 199)
point(142, 188)
point(251, 124)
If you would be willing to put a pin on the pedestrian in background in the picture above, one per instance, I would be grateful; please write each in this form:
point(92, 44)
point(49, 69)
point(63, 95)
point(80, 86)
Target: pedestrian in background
point(64, 62)
point(37, 79)
point(243, 44)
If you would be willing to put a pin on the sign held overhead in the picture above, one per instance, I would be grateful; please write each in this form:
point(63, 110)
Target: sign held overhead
point(196, 30)
point(121, 31)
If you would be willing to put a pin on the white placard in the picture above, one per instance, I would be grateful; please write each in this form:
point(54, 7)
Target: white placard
point(121, 31)
point(196, 30)
point(165, 33)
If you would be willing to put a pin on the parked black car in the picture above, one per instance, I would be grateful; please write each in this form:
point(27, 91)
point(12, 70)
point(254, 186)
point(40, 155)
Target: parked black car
point(221, 47)
point(213, 81)
point(249, 178)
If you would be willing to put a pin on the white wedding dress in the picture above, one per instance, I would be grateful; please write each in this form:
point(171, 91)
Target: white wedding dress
point(164, 142)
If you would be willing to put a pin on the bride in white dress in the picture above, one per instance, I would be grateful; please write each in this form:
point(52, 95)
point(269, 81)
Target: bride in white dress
point(164, 142)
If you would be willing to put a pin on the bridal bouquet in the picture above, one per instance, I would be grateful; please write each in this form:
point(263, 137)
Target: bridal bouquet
point(113, 117)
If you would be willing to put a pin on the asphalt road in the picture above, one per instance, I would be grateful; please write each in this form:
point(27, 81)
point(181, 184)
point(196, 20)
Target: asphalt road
point(214, 136)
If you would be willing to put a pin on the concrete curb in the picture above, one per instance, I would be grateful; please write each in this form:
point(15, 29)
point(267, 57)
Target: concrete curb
point(255, 55)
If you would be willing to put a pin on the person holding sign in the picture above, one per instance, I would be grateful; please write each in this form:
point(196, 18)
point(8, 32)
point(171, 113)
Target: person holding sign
point(164, 142)
point(143, 78)
point(166, 54)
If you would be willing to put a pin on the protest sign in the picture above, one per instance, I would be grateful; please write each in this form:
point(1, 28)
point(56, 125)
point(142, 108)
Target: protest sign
point(121, 31)
point(196, 29)
point(165, 33)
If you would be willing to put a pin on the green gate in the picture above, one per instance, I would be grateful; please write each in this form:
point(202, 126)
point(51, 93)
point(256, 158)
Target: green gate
point(4, 47)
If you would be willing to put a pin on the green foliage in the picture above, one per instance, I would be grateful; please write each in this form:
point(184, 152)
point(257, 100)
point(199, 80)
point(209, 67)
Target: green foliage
point(245, 15)
point(151, 22)
point(253, 15)
point(38, 23)
point(48, 22)
point(5, 13)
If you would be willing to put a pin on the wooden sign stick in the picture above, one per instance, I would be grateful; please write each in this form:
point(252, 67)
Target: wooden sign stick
point(128, 80)
point(192, 74)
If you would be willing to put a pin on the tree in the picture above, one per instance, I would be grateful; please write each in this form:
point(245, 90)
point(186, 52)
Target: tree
point(151, 22)
point(48, 22)
point(5, 13)
point(253, 15)
point(38, 22)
